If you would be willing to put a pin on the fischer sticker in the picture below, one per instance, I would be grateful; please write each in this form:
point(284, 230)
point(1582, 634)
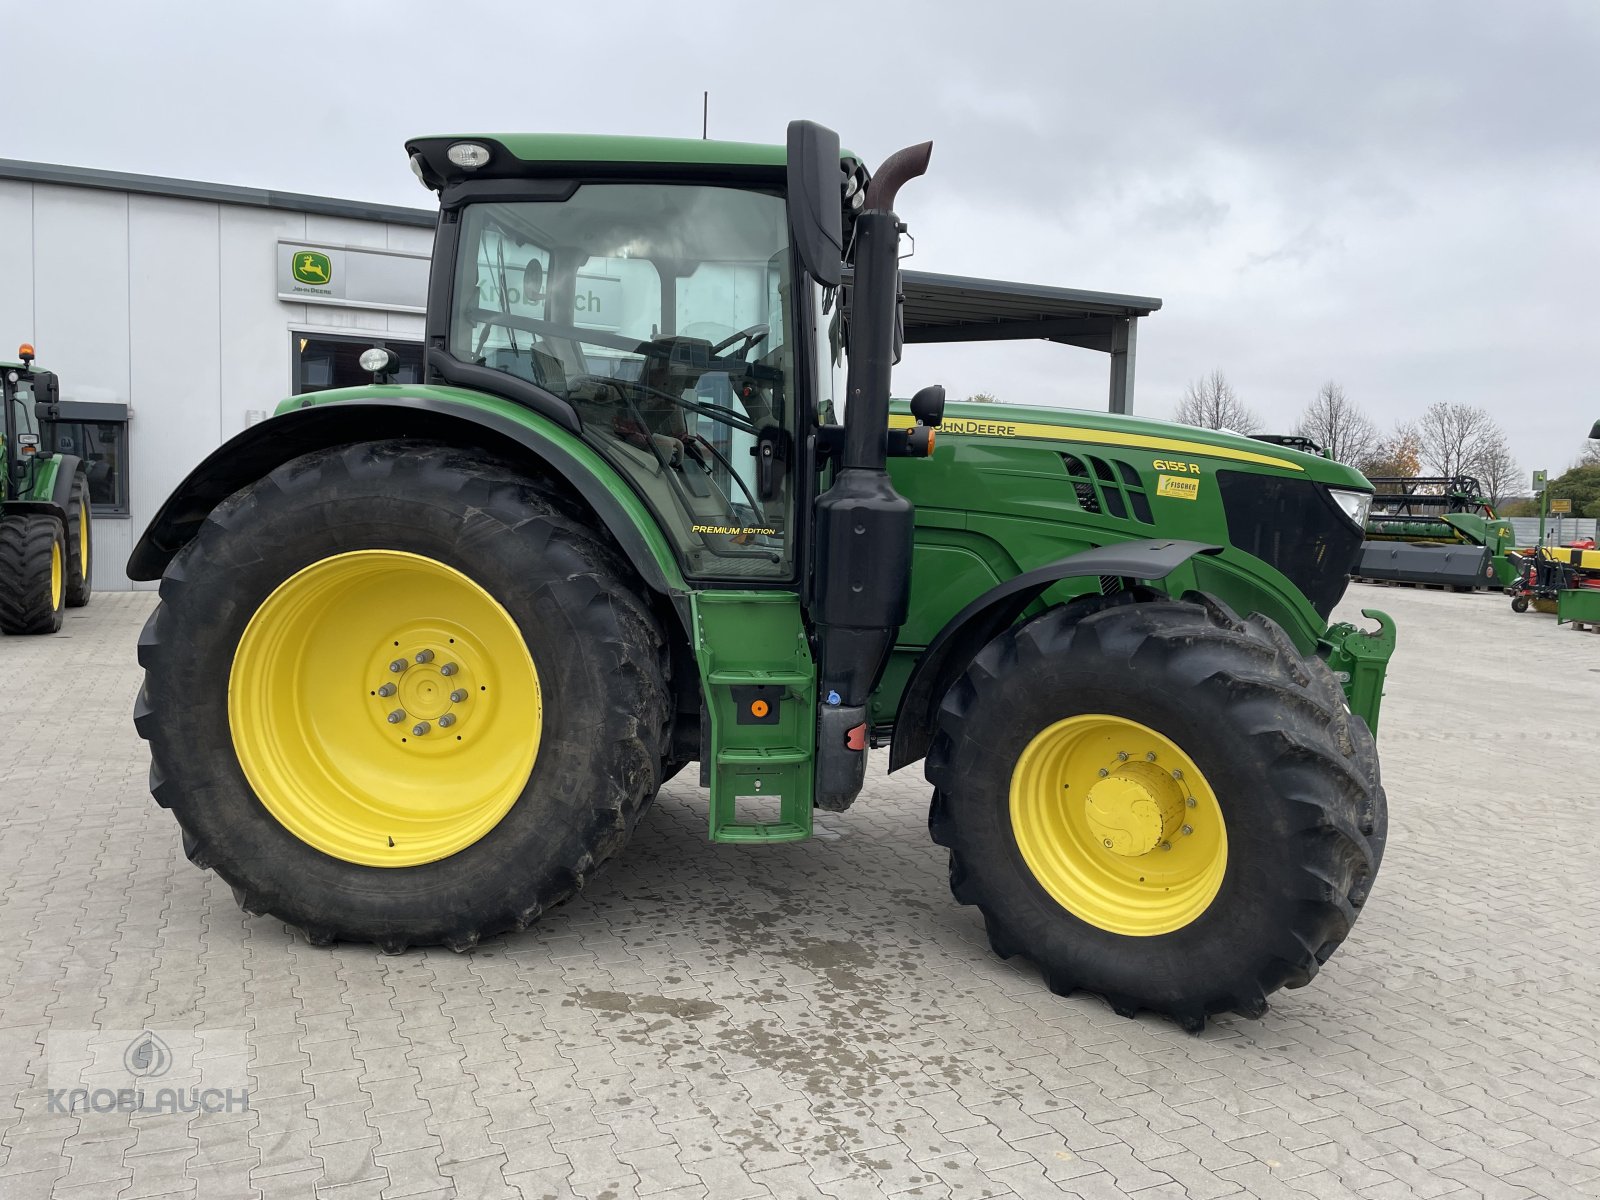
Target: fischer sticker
point(1178, 489)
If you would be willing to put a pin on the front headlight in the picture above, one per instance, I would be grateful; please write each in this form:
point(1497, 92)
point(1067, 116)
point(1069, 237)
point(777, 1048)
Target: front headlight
point(1355, 505)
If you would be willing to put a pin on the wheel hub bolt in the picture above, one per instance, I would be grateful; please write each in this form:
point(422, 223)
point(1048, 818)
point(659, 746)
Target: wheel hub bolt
point(398, 665)
point(420, 728)
point(447, 720)
point(424, 656)
point(1187, 830)
point(1104, 772)
point(387, 689)
point(1177, 774)
point(397, 716)
point(1150, 756)
point(1107, 843)
point(1166, 845)
point(449, 669)
point(1190, 801)
point(457, 696)
point(1122, 756)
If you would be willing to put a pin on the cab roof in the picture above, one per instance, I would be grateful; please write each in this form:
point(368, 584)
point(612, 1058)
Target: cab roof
point(604, 148)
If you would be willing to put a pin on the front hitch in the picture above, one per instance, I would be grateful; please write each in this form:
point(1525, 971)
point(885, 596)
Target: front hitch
point(1360, 660)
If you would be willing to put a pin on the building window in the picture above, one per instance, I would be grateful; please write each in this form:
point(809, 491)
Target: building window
point(323, 361)
point(98, 434)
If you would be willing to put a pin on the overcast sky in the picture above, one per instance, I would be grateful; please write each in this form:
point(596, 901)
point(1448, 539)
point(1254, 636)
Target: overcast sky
point(1400, 196)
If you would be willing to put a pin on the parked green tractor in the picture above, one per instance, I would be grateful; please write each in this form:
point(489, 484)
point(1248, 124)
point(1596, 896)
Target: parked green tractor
point(46, 556)
point(425, 654)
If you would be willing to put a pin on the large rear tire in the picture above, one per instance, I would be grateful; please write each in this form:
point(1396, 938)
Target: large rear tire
point(33, 573)
point(80, 544)
point(392, 577)
point(1158, 803)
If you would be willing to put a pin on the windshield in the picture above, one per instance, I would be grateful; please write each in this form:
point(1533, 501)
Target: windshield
point(659, 313)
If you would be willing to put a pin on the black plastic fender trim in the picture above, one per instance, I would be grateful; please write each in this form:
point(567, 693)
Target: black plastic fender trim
point(981, 621)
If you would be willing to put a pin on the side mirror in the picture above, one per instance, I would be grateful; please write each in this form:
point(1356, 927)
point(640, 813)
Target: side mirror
point(46, 388)
point(533, 281)
point(927, 406)
point(1594, 434)
point(816, 205)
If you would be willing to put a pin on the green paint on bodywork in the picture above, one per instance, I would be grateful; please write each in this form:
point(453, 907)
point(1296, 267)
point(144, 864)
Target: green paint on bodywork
point(1180, 439)
point(42, 478)
point(541, 427)
point(748, 640)
point(998, 498)
point(555, 154)
point(1359, 660)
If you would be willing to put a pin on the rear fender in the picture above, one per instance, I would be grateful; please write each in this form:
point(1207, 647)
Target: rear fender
point(981, 621)
point(532, 442)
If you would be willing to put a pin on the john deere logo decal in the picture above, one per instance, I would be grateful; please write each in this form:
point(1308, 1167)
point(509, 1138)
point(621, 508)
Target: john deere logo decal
point(312, 267)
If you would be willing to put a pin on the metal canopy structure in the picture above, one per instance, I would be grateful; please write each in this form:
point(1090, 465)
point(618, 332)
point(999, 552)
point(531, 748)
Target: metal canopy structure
point(957, 308)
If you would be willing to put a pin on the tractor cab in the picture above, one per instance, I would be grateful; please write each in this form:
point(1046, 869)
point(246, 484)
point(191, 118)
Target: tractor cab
point(667, 316)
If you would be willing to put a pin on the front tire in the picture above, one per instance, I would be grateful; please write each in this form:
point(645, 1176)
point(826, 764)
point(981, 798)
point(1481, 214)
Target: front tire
point(1158, 803)
point(314, 606)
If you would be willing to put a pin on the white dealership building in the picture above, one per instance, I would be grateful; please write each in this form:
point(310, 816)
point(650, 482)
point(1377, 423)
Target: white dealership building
point(178, 313)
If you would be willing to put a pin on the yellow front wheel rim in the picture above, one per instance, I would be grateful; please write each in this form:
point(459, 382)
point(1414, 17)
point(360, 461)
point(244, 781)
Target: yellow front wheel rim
point(1118, 825)
point(83, 539)
point(57, 574)
point(384, 708)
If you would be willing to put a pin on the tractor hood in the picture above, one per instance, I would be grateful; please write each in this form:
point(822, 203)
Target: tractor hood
point(1022, 423)
point(1044, 483)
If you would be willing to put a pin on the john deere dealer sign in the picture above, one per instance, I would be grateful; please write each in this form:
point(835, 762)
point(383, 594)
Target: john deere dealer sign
point(352, 277)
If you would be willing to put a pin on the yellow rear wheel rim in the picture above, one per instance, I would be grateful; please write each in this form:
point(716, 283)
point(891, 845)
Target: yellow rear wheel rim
point(57, 582)
point(83, 539)
point(1118, 825)
point(384, 708)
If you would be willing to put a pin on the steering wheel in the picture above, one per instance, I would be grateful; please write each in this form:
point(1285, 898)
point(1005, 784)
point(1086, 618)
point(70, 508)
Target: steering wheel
point(748, 336)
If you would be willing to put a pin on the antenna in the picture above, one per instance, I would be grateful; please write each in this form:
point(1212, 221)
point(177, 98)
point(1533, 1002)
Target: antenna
point(705, 113)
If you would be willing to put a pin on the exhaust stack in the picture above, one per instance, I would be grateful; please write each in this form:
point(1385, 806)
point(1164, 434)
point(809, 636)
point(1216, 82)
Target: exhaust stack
point(861, 590)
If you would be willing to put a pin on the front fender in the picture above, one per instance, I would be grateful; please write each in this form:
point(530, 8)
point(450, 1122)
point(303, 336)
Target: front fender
point(50, 490)
point(449, 415)
point(981, 621)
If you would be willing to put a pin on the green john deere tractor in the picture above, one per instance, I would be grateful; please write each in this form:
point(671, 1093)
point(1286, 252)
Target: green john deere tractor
point(425, 654)
point(46, 557)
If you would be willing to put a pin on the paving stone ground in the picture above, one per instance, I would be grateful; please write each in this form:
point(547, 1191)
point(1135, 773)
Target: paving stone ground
point(821, 1019)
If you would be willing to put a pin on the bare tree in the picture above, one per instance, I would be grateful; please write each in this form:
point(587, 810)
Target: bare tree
point(1398, 456)
point(1211, 403)
point(1338, 425)
point(1495, 467)
point(1591, 454)
point(983, 398)
point(1452, 437)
